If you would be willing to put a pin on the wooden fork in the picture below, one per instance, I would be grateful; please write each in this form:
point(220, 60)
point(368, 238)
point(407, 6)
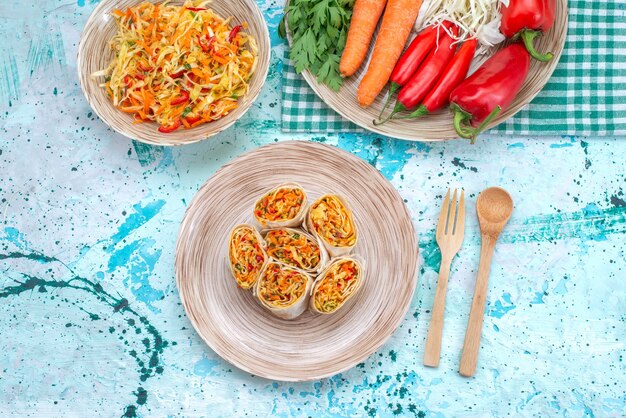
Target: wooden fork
point(450, 231)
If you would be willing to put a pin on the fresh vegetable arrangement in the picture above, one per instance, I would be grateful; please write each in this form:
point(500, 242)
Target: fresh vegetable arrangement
point(452, 76)
point(427, 74)
point(411, 60)
point(476, 19)
point(431, 73)
point(318, 30)
point(177, 65)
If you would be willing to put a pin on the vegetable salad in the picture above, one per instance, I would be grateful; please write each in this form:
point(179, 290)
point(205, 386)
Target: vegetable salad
point(178, 66)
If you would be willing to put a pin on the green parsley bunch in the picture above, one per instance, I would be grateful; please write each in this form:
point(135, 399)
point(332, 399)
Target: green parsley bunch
point(318, 30)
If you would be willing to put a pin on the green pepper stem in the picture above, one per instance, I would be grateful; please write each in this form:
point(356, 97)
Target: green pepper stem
point(486, 122)
point(461, 117)
point(399, 107)
point(528, 36)
point(419, 112)
point(392, 89)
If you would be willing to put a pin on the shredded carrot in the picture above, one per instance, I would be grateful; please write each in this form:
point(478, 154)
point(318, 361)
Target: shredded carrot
point(220, 59)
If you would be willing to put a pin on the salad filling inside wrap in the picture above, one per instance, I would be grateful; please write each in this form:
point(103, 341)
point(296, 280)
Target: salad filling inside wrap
point(338, 283)
point(284, 290)
point(331, 220)
point(281, 206)
point(246, 255)
point(293, 247)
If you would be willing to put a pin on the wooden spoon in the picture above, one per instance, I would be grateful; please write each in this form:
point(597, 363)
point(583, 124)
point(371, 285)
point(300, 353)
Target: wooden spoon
point(493, 207)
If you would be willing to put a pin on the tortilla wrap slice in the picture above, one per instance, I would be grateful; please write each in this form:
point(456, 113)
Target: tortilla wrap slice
point(284, 290)
point(246, 255)
point(335, 285)
point(295, 248)
point(283, 206)
point(330, 218)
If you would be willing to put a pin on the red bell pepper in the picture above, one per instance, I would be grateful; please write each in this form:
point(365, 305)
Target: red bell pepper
point(193, 119)
point(234, 32)
point(143, 67)
point(206, 42)
point(411, 59)
point(453, 75)
point(528, 19)
point(489, 90)
point(178, 74)
point(195, 9)
point(426, 76)
point(183, 98)
point(170, 128)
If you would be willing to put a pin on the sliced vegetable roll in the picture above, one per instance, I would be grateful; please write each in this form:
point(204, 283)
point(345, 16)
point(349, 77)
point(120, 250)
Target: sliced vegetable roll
point(295, 248)
point(283, 206)
point(246, 255)
point(331, 219)
point(335, 285)
point(284, 290)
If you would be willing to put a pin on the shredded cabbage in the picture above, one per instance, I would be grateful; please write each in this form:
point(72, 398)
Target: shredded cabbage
point(478, 19)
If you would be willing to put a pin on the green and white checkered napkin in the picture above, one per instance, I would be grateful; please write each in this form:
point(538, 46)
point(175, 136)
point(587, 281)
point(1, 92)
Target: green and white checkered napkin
point(585, 96)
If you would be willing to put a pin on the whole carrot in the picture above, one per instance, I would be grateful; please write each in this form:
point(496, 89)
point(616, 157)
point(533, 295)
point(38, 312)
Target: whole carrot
point(365, 17)
point(397, 23)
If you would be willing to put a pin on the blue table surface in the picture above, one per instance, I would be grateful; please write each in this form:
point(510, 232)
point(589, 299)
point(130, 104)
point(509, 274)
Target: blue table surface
point(92, 323)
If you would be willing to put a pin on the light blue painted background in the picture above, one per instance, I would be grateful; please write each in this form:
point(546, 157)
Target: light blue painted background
point(89, 223)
